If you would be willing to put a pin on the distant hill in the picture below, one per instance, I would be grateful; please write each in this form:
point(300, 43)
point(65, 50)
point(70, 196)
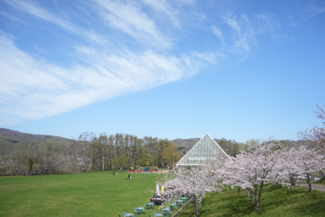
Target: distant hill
point(187, 144)
point(13, 136)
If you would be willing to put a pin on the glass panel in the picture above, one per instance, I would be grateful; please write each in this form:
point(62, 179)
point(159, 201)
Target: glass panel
point(205, 148)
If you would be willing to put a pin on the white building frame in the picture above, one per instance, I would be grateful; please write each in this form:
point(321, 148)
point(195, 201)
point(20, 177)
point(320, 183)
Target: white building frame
point(205, 149)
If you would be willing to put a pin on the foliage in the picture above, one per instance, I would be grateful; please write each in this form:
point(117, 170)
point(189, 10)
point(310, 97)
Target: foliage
point(231, 147)
point(30, 163)
point(121, 162)
point(85, 154)
point(170, 156)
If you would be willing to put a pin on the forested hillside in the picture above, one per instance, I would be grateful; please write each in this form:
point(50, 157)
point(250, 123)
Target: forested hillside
point(12, 136)
point(46, 154)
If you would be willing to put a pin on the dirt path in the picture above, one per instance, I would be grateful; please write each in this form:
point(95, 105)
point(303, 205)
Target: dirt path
point(313, 186)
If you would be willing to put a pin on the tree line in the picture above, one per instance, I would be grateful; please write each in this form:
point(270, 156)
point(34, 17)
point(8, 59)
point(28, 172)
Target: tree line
point(86, 153)
point(89, 152)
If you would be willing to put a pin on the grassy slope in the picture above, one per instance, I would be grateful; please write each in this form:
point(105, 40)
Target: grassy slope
point(277, 201)
point(86, 194)
point(320, 182)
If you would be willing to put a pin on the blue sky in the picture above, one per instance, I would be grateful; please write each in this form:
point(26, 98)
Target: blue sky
point(171, 69)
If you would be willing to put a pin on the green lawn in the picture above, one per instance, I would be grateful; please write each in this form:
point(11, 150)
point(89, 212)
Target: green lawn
point(320, 182)
point(83, 194)
point(277, 201)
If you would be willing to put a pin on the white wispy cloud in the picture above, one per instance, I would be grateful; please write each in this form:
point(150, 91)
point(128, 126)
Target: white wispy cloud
point(313, 8)
point(316, 7)
point(104, 65)
point(129, 18)
point(163, 7)
point(244, 30)
point(13, 18)
point(218, 33)
point(38, 11)
point(33, 89)
point(232, 22)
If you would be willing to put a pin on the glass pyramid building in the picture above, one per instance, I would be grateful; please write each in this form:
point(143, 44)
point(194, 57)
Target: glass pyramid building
point(205, 149)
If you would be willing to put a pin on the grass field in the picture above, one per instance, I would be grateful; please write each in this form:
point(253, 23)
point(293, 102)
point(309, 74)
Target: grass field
point(277, 201)
point(101, 194)
point(83, 194)
point(320, 182)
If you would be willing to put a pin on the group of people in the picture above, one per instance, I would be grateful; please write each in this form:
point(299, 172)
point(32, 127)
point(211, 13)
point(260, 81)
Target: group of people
point(128, 177)
point(156, 199)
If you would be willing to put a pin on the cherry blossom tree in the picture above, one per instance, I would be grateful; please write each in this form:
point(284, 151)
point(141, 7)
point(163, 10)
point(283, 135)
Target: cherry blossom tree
point(306, 161)
point(272, 163)
point(316, 136)
point(289, 154)
point(251, 169)
point(238, 172)
point(194, 183)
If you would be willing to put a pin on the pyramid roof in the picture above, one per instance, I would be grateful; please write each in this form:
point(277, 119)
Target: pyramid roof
point(205, 149)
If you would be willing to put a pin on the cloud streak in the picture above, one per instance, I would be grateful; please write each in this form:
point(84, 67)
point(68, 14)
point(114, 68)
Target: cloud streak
point(43, 14)
point(243, 31)
point(35, 89)
point(129, 18)
point(218, 33)
point(122, 50)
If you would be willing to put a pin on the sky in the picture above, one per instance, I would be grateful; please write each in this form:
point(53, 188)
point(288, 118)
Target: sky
point(170, 69)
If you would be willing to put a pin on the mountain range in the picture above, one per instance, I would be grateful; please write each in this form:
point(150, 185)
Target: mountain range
point(12, 136)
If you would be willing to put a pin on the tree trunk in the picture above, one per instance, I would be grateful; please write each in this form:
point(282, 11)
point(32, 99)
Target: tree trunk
point(259, 197)
point(252, 197)
point(238, 189)
point(197, 209)
point(308, 181)
point(255, 192)
point(322, 175)
point(91, 156)
point(103, 166)
point(293, 180)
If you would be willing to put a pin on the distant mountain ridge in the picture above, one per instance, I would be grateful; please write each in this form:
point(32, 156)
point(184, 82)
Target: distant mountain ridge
point(187, 144)
point(13, 136)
